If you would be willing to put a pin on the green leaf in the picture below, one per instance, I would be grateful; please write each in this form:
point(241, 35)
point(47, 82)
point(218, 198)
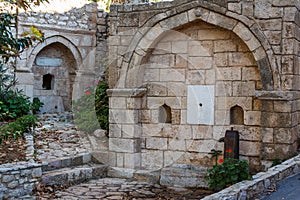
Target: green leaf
point(227, 173)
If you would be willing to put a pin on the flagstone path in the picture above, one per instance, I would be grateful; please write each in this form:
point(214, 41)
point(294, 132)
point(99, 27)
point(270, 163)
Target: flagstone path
point(114, 188)
point(57, 137)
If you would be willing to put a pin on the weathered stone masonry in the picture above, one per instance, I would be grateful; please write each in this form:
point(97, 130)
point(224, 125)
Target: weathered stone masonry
point(68, 55)
point(181, 73)
point(247, 51)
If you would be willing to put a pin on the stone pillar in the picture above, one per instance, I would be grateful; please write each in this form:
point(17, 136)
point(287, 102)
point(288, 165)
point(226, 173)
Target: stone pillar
point(25, 82)
point(125, 129)
point(279, 124)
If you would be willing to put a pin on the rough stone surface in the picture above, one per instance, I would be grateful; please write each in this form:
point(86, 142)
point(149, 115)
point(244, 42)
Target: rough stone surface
point(116, 188)
point(68, 142)
point(18, 179)
point(70, 151)
point(74, 174)
point(246, 50)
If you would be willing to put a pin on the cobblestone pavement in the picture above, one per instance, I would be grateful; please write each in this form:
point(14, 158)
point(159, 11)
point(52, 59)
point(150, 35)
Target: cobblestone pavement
point(114, 188)
point(57, 137)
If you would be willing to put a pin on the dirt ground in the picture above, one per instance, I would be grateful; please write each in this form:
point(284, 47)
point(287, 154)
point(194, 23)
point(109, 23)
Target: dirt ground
point(12, 150)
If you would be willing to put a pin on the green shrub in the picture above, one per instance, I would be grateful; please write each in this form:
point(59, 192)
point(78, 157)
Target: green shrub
point(101, 104)
point(36, 105)
point(17, 128)
point(91, 109)
point(231, 171)
point(276, 162)
point(14, 104)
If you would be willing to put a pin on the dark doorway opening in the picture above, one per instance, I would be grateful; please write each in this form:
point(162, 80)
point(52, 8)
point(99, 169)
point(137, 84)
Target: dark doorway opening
point(48, 82)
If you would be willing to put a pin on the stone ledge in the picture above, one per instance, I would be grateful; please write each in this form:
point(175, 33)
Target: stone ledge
point(116, 172)
point(176, 176)
point(183, 177)
point(66, 29)
point(73, 175)
point(260, 183)
point(126, 92)
point(81, 159)
point(277, 95)
point(9, 167)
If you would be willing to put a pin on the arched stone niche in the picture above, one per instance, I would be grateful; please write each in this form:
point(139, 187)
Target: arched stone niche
point(137, 66)
point(54, 62)
point(165, 114)
point(236, 115)
point(223, 73)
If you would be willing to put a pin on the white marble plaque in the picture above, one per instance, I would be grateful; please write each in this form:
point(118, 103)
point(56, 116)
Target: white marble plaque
point(200, 104)
point(50, 62)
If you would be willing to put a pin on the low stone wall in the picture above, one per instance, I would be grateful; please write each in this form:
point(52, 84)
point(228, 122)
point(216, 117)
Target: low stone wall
point(18, 179)
point(261, 182)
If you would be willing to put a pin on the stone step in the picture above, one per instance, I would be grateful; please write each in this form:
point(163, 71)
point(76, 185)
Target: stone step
point(183, 177)
point(179, 175)
point(78, 160)
point(76, 174)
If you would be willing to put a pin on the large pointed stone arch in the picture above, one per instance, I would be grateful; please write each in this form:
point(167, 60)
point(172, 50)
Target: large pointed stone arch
point(147, 36)
point(129, 66)
point(147, 26)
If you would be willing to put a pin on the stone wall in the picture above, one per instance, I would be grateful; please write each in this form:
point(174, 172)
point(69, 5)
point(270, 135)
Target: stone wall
point(19, 179)
point(245, 51)
point(101, 58)
point(199, 54)
point(239, 58)
point(76, 38)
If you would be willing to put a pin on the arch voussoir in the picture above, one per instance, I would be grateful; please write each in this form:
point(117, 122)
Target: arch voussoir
point(146, 38)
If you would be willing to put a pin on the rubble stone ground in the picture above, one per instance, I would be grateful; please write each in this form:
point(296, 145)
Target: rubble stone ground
point(57, 137)
point(114, 188)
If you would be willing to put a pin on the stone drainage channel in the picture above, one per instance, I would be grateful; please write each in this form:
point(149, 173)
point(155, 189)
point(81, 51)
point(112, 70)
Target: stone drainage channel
point(65, 160)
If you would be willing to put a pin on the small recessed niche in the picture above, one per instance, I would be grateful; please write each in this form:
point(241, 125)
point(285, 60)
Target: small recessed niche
point(165, 115)
point(48, 82)
point(236, 115)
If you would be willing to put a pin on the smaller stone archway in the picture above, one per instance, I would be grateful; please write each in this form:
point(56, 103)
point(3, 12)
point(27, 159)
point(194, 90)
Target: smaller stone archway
point(54, 71)
point(78, 63)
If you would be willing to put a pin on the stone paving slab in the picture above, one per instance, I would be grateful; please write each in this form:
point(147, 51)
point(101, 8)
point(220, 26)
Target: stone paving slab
point(71, 175)
point(116, 188)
